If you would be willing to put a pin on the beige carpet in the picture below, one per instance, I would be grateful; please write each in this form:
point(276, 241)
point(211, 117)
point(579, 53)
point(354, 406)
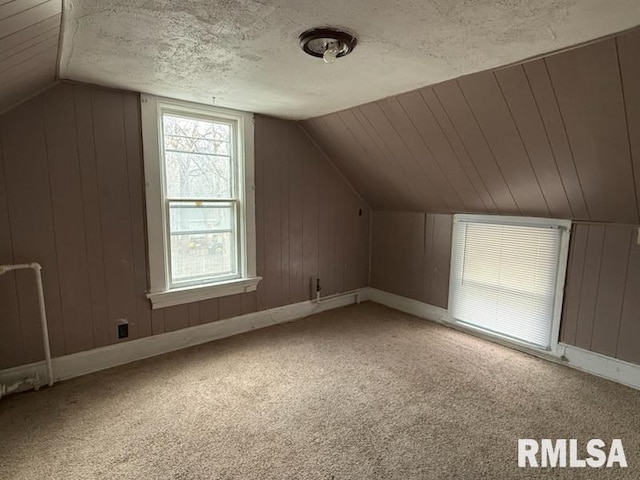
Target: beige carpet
point(363, 392)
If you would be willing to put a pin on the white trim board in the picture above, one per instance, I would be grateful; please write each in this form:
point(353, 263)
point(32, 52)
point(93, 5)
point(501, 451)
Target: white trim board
point(600, 365)
point(82, 363)
point(606, 367)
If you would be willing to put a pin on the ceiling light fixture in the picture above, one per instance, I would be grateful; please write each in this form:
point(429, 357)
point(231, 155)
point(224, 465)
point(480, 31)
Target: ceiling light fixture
point(327, 43)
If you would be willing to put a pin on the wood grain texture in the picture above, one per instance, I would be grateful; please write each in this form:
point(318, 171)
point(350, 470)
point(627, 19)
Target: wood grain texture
point(29, 37)
point(27, 186)
point(411, 254)
point(68, 214)
point(553, 137)
point(11, 348)
point(546, 101)
point(629, 58)
point(589, 92)
point(72, 198)
point(601, 299)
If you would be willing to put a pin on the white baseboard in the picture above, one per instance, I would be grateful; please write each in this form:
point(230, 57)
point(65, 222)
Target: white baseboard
point(82, 363)
point(408, 305)
point(606, 367)
point(600, 365)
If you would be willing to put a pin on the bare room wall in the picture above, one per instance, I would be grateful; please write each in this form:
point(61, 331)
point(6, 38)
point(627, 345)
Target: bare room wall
point(410, 255)
point(71, 198)
point(555, 137)
point(602, 301)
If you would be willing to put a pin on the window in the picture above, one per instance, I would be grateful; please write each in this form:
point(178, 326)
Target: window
point(200, 201)
point(507, 275)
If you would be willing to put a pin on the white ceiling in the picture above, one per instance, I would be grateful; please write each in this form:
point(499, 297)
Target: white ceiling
point(245, 52)
point(29, 33)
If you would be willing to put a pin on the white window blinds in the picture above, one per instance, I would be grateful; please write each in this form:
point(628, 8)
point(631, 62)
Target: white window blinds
point(503, 277)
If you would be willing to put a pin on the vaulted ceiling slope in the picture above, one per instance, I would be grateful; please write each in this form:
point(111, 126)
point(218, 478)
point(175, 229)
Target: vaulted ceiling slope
point(245, 52)
point(29, 35)
point(553, 137)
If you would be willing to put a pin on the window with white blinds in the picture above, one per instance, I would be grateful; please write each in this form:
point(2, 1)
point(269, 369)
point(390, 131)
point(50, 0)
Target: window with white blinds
point(504, 274)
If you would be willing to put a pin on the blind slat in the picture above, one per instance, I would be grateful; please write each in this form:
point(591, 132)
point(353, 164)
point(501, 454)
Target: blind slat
point(503, 278)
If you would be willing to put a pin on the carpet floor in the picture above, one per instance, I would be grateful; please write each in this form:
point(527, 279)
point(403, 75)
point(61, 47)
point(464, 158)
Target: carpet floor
point(362, 392)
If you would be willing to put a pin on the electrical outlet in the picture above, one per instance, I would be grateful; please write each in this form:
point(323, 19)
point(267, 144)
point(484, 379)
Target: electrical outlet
point(123, 328)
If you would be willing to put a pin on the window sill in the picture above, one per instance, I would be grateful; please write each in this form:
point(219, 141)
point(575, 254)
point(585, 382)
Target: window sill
point(181, 296)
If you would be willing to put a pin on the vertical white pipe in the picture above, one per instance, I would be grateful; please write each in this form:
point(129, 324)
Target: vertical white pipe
point(43, 319)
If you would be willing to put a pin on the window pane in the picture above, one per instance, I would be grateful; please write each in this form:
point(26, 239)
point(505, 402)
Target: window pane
point(197, 156)
point(203, 240)
point(195, 256)
point(198, 216)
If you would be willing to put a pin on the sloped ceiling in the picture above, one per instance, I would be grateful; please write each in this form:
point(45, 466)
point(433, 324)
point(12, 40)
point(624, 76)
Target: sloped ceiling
point(29, 34)
point(245, 52)
point(553, 137)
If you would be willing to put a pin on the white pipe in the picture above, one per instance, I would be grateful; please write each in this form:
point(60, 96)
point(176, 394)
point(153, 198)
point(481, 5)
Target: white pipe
point(43, 321)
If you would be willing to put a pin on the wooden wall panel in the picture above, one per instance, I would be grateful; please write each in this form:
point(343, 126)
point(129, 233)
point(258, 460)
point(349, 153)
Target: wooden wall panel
point(411, 254)
point(589, 288)
point(629, 58)
point(489, 107)
point(440, 260)
point(385, 190)
point(629, 333)
point(27, 185)
point(443, 119)
point(440, 150)
point(92, 217)
point(611, 285)
point(72, 198)
point(386, 138)
point(421, 154)
point(526, 118)
point(553, 137)
point(68, 217)
point(115, 211)
point(589, 92)
point(11, 349)
point(540, 83)
point(601, 296)
point(29, 36)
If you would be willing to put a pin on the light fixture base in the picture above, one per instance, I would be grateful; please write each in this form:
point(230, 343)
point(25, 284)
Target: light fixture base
point(316, 41)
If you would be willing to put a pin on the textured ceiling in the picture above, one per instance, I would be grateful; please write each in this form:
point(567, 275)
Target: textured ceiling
point(29, 33)
point(552, 137)
point(245, 53)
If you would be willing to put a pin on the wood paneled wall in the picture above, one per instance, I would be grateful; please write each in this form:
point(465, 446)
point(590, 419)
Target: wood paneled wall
point(553, 137)
point(29, 38)
point(410, 255)
point(602, 301)
point(71, 198)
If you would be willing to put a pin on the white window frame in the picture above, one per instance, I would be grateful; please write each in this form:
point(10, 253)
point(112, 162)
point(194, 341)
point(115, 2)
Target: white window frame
point(160, 292)
point(563, 255)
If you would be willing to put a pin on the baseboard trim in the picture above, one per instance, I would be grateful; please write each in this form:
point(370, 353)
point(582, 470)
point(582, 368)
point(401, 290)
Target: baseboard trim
point(82, 363)
point(606, 367)
point(594, 363)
